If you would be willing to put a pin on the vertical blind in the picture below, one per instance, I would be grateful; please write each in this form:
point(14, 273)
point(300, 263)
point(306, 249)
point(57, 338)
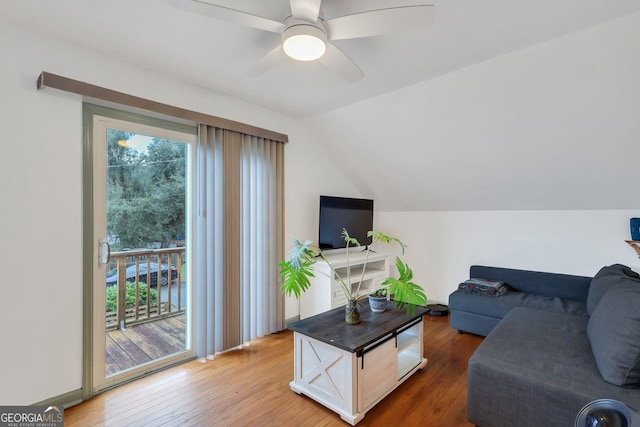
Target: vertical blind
point(238, 234)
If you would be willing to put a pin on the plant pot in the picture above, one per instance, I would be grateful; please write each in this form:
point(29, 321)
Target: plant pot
point(351, 313)
point(377, 304)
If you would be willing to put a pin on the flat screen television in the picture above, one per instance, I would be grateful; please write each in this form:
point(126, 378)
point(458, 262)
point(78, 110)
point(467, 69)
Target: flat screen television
point(336, 213)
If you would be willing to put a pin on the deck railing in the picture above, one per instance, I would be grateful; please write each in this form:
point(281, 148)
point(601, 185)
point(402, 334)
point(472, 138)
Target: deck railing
point(144, 285)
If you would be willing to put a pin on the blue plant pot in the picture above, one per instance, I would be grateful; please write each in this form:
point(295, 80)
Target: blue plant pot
point(377, 304)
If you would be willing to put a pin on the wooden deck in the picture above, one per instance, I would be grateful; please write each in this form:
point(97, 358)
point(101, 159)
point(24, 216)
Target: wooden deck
point(143, 343)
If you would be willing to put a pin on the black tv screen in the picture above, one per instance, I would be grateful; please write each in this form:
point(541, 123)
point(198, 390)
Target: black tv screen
point(337, 213)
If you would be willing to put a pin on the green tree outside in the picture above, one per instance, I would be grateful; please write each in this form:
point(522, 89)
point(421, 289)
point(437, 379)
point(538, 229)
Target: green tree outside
point(145, 191)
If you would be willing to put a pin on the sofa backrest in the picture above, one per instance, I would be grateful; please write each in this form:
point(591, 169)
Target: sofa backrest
point(563, 286)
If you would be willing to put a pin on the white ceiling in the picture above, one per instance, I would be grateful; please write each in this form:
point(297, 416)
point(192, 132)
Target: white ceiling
point(216, 54)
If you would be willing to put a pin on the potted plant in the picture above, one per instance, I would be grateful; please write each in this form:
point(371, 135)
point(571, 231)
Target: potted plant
point(378, 300)
point(296, 270)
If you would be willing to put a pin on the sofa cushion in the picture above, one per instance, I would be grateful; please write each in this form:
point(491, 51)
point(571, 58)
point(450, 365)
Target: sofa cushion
point(605, 279)
point(499, 307)
point(614, 334)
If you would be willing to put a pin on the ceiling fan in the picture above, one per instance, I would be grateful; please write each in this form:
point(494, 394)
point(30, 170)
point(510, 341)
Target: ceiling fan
point(306, 36)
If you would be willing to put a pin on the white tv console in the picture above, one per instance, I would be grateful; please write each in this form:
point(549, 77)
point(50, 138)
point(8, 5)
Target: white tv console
point(325, 292)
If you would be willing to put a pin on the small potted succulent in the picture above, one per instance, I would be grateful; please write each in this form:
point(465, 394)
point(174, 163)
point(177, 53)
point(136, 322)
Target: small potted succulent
point(296, 270)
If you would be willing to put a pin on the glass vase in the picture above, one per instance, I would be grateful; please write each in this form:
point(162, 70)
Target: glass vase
point(351, 312)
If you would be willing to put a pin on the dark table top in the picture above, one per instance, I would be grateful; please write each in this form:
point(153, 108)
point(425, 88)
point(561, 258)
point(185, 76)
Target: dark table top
point(331, 328)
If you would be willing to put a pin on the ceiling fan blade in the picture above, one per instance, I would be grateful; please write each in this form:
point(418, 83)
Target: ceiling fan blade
point(230, 15)
point(338, 61)
point(267, 61)
point(381, 21)
point(306, 9)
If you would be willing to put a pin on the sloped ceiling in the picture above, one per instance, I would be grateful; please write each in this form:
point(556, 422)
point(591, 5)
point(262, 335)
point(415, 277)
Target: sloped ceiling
point(497, 105)
point(555, 126)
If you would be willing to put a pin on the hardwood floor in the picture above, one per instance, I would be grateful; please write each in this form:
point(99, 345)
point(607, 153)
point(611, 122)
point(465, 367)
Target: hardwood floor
point(250, 386)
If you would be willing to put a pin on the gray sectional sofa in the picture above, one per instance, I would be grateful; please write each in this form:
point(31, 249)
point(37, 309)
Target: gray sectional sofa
point(560, 293)
point(553, 344)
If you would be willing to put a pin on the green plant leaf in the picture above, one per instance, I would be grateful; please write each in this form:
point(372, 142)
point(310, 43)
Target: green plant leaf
point(295, 279)
point(380, 292)
point(377, 235)
point(350, 240)
point(301, 253)
point(404, 290)
point(296, 270)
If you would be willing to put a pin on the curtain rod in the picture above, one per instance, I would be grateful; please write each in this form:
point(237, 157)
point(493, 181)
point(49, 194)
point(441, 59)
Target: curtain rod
point(85, 89)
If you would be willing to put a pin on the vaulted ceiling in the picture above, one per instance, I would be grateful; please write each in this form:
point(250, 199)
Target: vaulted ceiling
point(498, 104)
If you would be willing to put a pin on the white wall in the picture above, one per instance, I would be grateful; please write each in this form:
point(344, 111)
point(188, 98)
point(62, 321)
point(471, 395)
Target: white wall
point(40, 225)
point(41, 199)
point(443, 245)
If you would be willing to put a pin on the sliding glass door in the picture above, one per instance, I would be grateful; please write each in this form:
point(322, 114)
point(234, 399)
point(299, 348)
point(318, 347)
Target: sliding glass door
point(141, 214)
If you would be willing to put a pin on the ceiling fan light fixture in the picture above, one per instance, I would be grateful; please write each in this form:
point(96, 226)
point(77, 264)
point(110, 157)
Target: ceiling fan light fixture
point(304, 42)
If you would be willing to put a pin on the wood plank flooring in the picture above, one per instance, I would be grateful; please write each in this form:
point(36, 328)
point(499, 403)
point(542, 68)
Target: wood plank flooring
point(143, 343)
point(250, 387)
